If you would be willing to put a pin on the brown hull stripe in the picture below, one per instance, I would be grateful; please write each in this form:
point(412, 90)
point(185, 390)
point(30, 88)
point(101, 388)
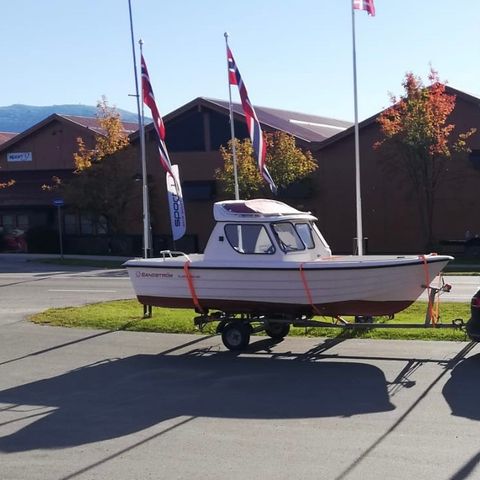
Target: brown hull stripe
point(353, 307)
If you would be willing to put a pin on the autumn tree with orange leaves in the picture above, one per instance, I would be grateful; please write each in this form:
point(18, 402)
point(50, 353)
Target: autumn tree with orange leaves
point(102, 184)
point(8, 183)
point(418, 138)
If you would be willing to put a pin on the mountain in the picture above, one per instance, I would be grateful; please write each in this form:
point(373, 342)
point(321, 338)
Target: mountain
point(17, 118)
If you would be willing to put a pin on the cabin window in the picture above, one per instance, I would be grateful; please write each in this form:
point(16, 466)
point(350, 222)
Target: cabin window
point(323, 242)
point(288, 237)
point(305, 232)
point(249, 239)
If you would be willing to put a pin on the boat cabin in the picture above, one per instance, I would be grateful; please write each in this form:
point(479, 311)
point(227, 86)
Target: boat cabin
point(264, 229)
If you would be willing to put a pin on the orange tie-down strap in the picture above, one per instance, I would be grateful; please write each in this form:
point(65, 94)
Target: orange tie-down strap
point(433, 307)
point(307, 291)
point(191, 287)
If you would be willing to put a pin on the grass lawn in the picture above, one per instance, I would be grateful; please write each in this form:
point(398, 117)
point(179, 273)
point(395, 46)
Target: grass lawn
point(127, 315)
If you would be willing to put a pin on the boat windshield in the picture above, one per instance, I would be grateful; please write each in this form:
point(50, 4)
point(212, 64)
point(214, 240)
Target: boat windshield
point(288, 237)
point(305, 232)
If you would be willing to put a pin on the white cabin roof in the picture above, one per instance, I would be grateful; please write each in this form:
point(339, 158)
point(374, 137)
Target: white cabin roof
point(255, 210)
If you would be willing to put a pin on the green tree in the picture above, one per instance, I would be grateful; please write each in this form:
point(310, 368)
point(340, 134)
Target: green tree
point(286, 163)
point(418, 139)
point(102, 184)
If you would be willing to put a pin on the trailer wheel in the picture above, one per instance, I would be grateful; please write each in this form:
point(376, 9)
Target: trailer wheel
point(277, 330)
point(236, 335)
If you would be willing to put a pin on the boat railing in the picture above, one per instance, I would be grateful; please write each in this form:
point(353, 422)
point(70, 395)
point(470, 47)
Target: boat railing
point(173, 253)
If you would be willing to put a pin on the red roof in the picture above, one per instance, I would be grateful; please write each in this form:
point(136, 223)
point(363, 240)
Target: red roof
point(5, 136)
point(90, 123)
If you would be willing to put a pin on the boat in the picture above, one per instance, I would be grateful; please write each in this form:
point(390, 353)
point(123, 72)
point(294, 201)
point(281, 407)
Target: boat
point(266, 258)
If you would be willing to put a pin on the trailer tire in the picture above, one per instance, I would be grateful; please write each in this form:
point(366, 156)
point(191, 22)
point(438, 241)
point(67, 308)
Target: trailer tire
point(236, 335)
point(277, 330)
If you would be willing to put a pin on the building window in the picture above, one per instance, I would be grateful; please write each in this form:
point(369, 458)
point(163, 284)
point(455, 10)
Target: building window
point(198, 190)
point(8, 222)
point(71, 223)
point(102, 225)
point(475, 159)
point(22, 222)
point(85, 224)
point(299, 189)
point(11, 221)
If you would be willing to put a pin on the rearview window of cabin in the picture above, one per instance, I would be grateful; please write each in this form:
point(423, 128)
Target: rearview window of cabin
point(249, 239)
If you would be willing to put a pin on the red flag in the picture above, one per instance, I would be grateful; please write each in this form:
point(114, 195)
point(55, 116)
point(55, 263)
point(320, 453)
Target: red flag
point(253, 125)
point(366, 5)
point(149, 100)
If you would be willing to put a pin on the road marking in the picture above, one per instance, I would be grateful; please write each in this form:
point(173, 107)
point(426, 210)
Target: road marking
point(82, 290)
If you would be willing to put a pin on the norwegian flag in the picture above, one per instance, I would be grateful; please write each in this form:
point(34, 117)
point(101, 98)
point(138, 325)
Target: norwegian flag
point(254, 129)
point(149, 100)
point(366, 5)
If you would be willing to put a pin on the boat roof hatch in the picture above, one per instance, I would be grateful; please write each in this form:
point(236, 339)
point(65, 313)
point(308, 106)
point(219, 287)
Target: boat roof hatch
point(255, 209)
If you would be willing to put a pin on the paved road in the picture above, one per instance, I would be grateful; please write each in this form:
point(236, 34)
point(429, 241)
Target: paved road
point(27, 287)
point(463, 288)
point(94, 404)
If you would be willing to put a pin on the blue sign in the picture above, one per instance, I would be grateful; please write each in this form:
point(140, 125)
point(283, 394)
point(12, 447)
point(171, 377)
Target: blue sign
point(58, 202)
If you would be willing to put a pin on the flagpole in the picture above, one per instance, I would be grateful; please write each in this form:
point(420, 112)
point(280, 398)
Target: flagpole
point(146, 226)
point(146, 213)
point(232, 127)
point(357, 147)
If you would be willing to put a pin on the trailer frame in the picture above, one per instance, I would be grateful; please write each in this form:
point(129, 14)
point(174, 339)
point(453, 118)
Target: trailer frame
point(236, 328)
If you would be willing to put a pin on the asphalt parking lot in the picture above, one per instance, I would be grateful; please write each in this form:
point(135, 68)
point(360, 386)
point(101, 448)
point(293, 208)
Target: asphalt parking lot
point(94, 404)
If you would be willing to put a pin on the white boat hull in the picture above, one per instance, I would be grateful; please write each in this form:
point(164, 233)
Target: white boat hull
point(337, 286)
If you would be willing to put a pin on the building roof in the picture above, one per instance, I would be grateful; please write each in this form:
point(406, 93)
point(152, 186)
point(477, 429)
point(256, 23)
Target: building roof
point(90, 123)
point(6, 136)
point(371, 120)
point(310, 128)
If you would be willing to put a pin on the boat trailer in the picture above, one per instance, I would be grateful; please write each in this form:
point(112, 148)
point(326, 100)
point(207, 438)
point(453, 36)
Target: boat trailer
point(236, 328)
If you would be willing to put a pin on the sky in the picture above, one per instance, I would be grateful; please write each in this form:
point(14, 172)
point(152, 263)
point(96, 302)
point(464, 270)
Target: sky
point(292, 55)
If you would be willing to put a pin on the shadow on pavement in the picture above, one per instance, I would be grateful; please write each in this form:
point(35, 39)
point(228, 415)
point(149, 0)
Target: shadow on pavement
point(462, 390)
point(119, 397)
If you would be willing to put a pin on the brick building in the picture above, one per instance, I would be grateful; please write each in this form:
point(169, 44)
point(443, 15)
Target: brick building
point(391, 218)
point(195, 132)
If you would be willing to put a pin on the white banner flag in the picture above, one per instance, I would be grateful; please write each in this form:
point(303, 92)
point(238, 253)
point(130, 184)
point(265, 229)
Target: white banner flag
point(175, 201)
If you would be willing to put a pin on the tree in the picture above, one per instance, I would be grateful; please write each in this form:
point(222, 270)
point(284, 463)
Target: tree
point(418, 139)
point(285, 161)
point(102, 183)
point(8, 183)
point(115, 138)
